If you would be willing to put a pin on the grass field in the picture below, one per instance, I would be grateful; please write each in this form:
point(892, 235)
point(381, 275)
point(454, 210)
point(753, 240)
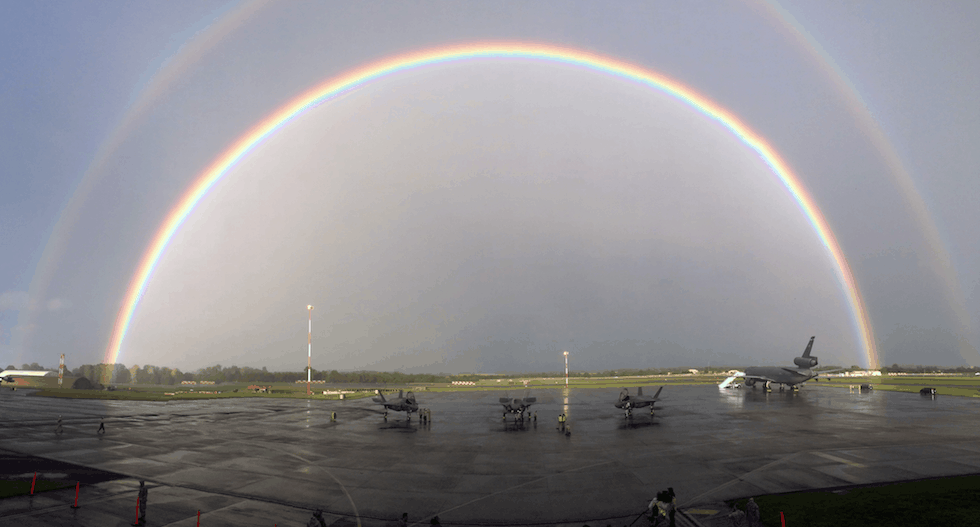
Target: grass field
point(217, 391)
point(945, 501)
point(10, 488)
point(47, 387)
point(958, 385)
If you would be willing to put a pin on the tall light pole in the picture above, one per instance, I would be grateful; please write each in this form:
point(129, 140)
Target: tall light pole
point(566, 369)
point(309, 352)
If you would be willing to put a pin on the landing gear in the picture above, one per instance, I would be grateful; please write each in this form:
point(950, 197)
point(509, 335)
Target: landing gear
point(629, 413)
point(651, 411)
point(386, 415)
point(768, 387)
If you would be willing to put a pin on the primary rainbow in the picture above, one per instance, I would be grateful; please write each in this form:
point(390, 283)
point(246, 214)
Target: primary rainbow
point(361, 76)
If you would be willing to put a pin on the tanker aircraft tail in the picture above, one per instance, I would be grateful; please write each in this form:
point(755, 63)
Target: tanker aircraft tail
point(784, 376)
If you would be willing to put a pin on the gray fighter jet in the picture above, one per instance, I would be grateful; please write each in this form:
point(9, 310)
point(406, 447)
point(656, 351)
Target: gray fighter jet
point(402, 403)
point(517, 406)
point(628, 403)
point(785, 376)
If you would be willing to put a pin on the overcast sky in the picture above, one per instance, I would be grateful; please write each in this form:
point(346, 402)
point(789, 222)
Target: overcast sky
point(487, 215)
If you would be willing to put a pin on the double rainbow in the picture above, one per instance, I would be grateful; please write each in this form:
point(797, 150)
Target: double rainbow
point(490, 51)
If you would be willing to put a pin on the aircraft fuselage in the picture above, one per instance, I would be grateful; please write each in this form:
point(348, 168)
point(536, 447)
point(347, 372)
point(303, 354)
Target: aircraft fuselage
point(779, 375)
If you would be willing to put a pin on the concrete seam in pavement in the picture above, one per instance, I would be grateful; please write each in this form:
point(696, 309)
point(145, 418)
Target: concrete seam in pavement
point(694, 500)
point(481, 498)
point(207, 512)
point(688, 519)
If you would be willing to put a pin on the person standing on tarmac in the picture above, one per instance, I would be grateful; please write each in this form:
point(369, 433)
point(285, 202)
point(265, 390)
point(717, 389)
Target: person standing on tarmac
point(736, 517)
point(658, 509)
point(752, 513)
point(142, 499)
point(317, 520)
point(671, 506)
point(101, 426)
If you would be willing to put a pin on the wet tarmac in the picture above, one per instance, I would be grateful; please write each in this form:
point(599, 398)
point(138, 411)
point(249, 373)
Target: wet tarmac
point(272, 461)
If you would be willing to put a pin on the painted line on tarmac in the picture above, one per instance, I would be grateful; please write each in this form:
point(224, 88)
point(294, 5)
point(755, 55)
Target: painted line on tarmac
point(740, 479)
point(357, 515)
point(429, 518)
point(839, 459)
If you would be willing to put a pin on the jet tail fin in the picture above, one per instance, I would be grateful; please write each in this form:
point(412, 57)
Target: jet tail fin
point(380, 398)
point(809, 346)
point(623, 395)
point(639, 391)
point(658, 392)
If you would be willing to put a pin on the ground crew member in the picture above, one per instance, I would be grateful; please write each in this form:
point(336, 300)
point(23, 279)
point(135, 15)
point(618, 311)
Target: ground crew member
point(752, 513)
point(317, 520)
point(658, 509)
point(101, 426)
point(736, 517)
point(142, 498)
point(58, 430)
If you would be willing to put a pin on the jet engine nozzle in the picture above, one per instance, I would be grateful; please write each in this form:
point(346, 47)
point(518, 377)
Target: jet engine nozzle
point(805, 362)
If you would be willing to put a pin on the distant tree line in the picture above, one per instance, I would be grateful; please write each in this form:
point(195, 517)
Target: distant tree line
point(162, 375)
point(149, 374)
point(915, 368)
point(32, 367)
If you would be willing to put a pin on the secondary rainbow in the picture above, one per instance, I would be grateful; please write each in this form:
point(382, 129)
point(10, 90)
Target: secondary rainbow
point(484, 51)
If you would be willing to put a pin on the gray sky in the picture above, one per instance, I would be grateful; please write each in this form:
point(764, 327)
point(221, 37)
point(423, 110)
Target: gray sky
point(486, 215)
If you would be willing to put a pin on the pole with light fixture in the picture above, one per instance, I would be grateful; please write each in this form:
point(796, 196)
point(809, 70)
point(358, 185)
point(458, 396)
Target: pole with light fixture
point(566, 369)
point(309, 352)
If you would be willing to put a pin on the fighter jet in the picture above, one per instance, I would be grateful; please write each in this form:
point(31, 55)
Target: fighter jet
point(517, 406)
point(792, 377)
point(628, 403)
point(402, 403)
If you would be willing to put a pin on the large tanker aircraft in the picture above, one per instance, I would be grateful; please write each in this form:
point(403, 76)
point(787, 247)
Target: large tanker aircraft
point(782, 375)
